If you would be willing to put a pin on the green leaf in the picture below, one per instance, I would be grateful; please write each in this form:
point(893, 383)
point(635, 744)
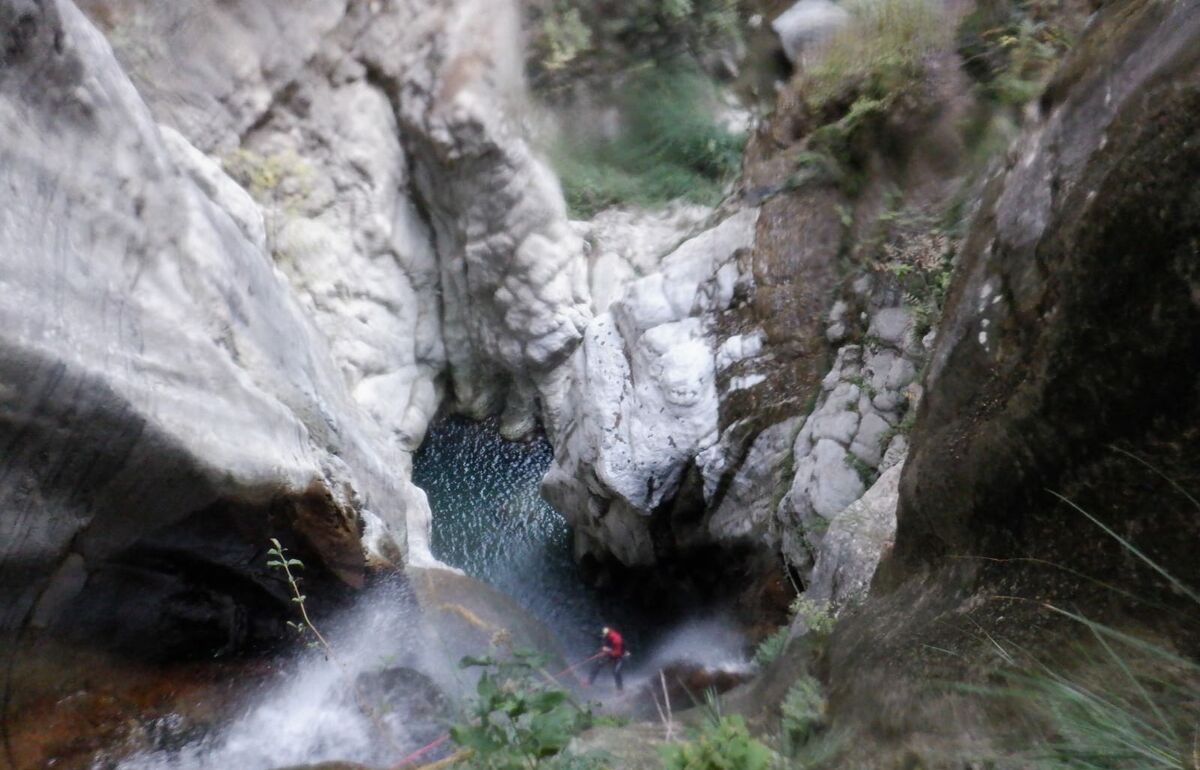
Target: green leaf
point(276, 543)
point(295, 563)
point(274, 564)
point(471, 661)
point(546, 701)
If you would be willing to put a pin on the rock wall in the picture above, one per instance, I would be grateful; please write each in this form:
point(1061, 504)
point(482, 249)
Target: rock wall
point(515, 294)
point(297, 218)
point(643, 399)
point(1062, 368)
point(158, 372)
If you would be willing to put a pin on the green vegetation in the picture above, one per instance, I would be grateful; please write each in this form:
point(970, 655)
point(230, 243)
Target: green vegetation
point(1128, 703)
point(772, 647)
point(817, 617)
point(802, 713)
point(917, 249)
point(879, 56)
point(604, 38)
point(867, 474)
point(1010, 48)
point(519, 717)
point(723, 743)
point(282, 178)
point(858, 78)
point(278, 559)
point(671, 146)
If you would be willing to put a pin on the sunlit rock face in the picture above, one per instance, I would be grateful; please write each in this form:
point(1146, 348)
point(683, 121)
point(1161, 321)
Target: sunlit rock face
point(514, 279)
point(157, 368)
point(384, 142)
point(643, 395)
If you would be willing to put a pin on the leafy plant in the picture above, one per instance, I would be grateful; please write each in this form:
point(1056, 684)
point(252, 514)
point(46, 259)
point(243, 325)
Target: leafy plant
point(518, 718)
point(817, 617)
point(670, 146)
point(1010, 48)
point(802, 711)
point(772, 647)
point(564, 36)
point(722, 744)
point(278, 559)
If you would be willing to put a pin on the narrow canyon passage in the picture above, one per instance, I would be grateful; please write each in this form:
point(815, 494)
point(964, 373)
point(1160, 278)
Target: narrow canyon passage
point(840, 354)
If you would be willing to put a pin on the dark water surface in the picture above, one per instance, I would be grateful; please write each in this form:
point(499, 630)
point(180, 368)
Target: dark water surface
point(489, 520)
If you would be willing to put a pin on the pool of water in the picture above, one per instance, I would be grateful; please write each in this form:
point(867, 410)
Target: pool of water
point(490, 520)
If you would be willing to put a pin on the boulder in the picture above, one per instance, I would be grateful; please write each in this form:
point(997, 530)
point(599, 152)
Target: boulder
point(643, 397)
point(857, 539)
point(806, 23)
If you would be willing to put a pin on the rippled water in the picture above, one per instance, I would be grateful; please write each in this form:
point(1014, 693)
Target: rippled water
point(490, 520)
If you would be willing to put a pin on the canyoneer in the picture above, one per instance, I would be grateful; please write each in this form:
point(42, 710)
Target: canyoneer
point(612, 653)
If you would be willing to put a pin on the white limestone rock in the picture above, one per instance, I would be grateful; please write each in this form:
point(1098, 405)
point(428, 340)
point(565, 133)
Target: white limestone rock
point(850, 437)
point(152, 355)
point(806, 23)
point(514, 278)
point(642, 395)
point(747, 509)
point(623, 245)
point(857, 540)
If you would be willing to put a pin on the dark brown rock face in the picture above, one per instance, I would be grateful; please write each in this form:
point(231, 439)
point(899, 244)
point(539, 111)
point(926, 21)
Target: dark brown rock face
point(1074, 324)
point(1066, 364)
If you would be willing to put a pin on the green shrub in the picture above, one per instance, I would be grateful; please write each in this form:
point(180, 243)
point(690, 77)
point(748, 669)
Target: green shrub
point(857, 78)
point(772, 647)
point(671, 146)
point(802, 711)
point(1010, 48)
point(723, 744)
point(817, 617)
point(517, 719)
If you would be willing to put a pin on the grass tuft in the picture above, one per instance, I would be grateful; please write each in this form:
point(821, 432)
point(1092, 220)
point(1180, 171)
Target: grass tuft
point(671, 147)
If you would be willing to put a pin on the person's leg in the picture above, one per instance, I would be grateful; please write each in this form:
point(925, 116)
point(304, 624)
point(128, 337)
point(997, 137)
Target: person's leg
point(617, 673)
point(596, 670)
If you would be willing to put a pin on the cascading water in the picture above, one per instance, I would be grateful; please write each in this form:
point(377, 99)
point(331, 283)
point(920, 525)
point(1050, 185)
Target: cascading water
point(387, 688)
point(375, 699)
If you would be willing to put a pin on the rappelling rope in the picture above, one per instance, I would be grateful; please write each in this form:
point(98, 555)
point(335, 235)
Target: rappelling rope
point(434, 744)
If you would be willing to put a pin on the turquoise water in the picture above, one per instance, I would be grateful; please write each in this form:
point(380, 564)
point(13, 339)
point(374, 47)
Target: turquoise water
point(489, 520)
